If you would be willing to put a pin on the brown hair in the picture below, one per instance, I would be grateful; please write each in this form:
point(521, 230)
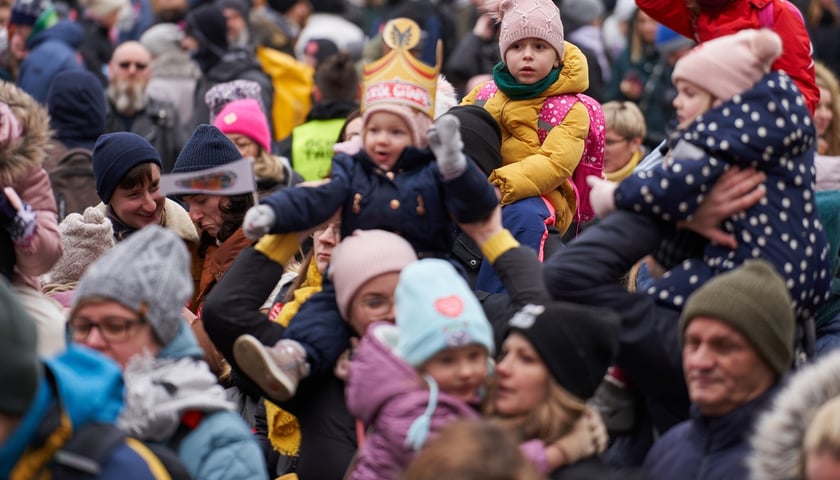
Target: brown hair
point(139, 175)
point(337, 79)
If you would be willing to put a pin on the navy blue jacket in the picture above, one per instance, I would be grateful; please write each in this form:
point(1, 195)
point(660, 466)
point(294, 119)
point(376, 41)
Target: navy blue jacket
point(50, 51)
point(707, 447)
point(769, 128)
point(412, 200)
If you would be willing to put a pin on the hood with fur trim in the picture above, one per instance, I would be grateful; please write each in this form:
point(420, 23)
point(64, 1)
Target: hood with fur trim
point(780, 432)
point(21, 156)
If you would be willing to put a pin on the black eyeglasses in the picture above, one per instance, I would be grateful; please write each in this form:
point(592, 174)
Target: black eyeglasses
point(138, 65)
point(112, 329)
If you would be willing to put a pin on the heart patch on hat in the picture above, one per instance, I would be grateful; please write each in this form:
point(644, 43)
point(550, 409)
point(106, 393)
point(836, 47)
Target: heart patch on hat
point(450, 306)
point(230, 118)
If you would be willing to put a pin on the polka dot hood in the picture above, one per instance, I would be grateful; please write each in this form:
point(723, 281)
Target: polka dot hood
point(767, 127)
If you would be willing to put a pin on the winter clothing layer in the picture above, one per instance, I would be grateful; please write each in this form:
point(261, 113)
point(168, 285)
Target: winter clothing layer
point(707, 447)
point(741, 15)
point(387, 394)
point(175, 218)
point(50, 51)
point(766, 127)
point(533, 168)
point(158, 123)
point(77, 109)
point(82, 387)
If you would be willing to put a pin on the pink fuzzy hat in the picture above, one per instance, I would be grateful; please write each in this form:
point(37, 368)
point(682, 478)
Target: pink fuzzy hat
point(417, 121)
point(729, 65)
point(523, 19)
point(245, 117)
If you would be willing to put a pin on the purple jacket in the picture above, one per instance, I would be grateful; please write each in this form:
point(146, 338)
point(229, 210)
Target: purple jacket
point(387, 395)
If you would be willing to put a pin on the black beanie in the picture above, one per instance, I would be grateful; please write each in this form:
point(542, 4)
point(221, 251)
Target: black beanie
point(481, 135)
point(577, 343)
point(206, 148)
point(208, 25)
point(20, 367)
point(114, 155)
point(282, 6)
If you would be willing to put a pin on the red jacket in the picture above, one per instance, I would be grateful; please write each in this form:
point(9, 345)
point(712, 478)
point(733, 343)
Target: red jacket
point(738, 15)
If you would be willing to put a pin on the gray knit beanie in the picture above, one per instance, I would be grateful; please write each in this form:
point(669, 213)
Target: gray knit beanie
point(148, 273)
point(20, 368)
point(754, 300)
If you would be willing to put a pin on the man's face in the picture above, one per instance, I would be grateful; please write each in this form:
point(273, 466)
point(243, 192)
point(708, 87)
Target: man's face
point(722, 368)
point(129, 73)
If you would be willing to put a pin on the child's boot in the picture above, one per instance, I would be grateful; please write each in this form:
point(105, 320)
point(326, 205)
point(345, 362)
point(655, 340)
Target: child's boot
point(276, 370)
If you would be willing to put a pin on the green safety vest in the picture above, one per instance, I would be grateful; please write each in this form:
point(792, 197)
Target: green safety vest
point(312, 147)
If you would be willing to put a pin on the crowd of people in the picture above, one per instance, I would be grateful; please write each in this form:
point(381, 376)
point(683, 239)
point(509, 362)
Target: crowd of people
point(415, 239)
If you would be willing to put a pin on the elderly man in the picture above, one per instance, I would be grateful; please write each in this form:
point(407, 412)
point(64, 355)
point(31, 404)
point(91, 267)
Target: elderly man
point(737, 335)
point(131, 109)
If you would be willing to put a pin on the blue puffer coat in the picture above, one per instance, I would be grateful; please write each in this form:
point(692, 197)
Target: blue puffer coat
point(769, 128)
point(412, 199)
point(50, 51)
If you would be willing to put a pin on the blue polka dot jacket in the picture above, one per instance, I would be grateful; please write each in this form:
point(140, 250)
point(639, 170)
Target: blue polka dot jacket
point(767, 127)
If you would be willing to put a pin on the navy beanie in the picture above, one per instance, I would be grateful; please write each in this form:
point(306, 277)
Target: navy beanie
point(206, 148)
point(114, 155)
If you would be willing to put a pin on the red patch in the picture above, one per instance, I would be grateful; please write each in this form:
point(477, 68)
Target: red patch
point(450, 306)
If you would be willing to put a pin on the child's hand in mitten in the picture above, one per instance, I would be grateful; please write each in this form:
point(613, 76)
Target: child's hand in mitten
point(258, 221)
point(17, 217)
point(445, 142)
point(602, 195)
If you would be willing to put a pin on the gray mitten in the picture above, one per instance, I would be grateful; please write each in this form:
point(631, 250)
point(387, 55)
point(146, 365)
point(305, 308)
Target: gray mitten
point(445, 142)
point(258, 221)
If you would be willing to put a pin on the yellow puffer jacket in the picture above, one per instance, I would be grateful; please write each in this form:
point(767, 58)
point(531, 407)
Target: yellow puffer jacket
point(532, 169)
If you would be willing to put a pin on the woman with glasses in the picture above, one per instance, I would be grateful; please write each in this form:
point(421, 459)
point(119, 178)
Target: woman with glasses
point(623, 148)
point(129, 306)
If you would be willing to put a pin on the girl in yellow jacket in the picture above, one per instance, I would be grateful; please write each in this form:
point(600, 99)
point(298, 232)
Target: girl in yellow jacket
point(534, 178)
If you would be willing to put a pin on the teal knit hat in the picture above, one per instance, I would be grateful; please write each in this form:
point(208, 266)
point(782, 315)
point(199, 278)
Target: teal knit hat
point(435, 310)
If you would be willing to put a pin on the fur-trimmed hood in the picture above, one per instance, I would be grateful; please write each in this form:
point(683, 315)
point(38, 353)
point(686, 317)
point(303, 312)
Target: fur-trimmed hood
point(779, 433)
point(21, 156)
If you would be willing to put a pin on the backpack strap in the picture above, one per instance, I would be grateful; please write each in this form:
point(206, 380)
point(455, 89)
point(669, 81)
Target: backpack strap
point(82, 457)
point(765, 16)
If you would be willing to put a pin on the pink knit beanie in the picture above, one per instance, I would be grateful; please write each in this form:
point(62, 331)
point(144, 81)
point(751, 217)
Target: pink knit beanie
point(417, 121)
point(729, 65)
point(521, 19)
point(362, 256)
point(245, 117)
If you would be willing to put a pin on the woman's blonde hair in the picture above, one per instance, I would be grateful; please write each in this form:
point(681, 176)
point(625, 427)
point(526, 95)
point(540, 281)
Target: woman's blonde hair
point(269, 167)
point(826, 79)
point(625, 119)
point(823, 432)
point(548, 421)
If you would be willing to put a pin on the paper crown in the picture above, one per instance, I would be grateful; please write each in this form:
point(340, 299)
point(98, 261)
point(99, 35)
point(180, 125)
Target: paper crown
point(399, 77)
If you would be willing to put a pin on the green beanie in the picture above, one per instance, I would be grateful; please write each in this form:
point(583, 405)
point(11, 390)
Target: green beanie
point(20, 367)
point(752, 299)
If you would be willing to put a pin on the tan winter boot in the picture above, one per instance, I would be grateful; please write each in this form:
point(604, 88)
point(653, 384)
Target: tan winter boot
point(276, 370)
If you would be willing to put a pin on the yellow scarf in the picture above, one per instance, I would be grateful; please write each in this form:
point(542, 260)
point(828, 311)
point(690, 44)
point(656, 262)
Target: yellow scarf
point(626, 170)
point(283, 427)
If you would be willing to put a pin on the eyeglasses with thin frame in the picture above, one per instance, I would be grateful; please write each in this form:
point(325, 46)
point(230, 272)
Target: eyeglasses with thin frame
point(112, 329)
point(125, 65)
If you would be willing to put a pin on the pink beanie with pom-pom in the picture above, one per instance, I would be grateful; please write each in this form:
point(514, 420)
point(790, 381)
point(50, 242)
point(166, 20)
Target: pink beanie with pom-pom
point(729, 65)
point(521, 19)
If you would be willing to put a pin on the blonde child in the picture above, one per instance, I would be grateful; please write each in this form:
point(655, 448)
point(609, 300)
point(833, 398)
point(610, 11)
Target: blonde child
point(535, 176)
point(395, 183)
point(733, 111)
point(409, 380)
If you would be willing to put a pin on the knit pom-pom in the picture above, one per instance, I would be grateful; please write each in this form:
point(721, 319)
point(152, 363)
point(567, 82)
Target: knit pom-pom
point(493, 8)
point(767, 45)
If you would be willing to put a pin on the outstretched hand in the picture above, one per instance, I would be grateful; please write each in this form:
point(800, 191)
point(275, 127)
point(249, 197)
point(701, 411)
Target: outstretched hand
point(602, 195)
point(735, 191)
point(258, 221)
point(445, 141)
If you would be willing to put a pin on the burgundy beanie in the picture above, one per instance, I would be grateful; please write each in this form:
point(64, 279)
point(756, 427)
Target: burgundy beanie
point(245, 117)
point(521, 19)
point(729, 65)
point(362, 256)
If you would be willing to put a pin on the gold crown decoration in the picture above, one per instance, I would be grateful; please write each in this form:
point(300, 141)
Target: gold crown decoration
point(399, 77)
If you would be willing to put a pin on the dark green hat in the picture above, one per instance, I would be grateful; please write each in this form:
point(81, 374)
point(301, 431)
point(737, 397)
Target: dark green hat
point(20, 367)
point(754, 300)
